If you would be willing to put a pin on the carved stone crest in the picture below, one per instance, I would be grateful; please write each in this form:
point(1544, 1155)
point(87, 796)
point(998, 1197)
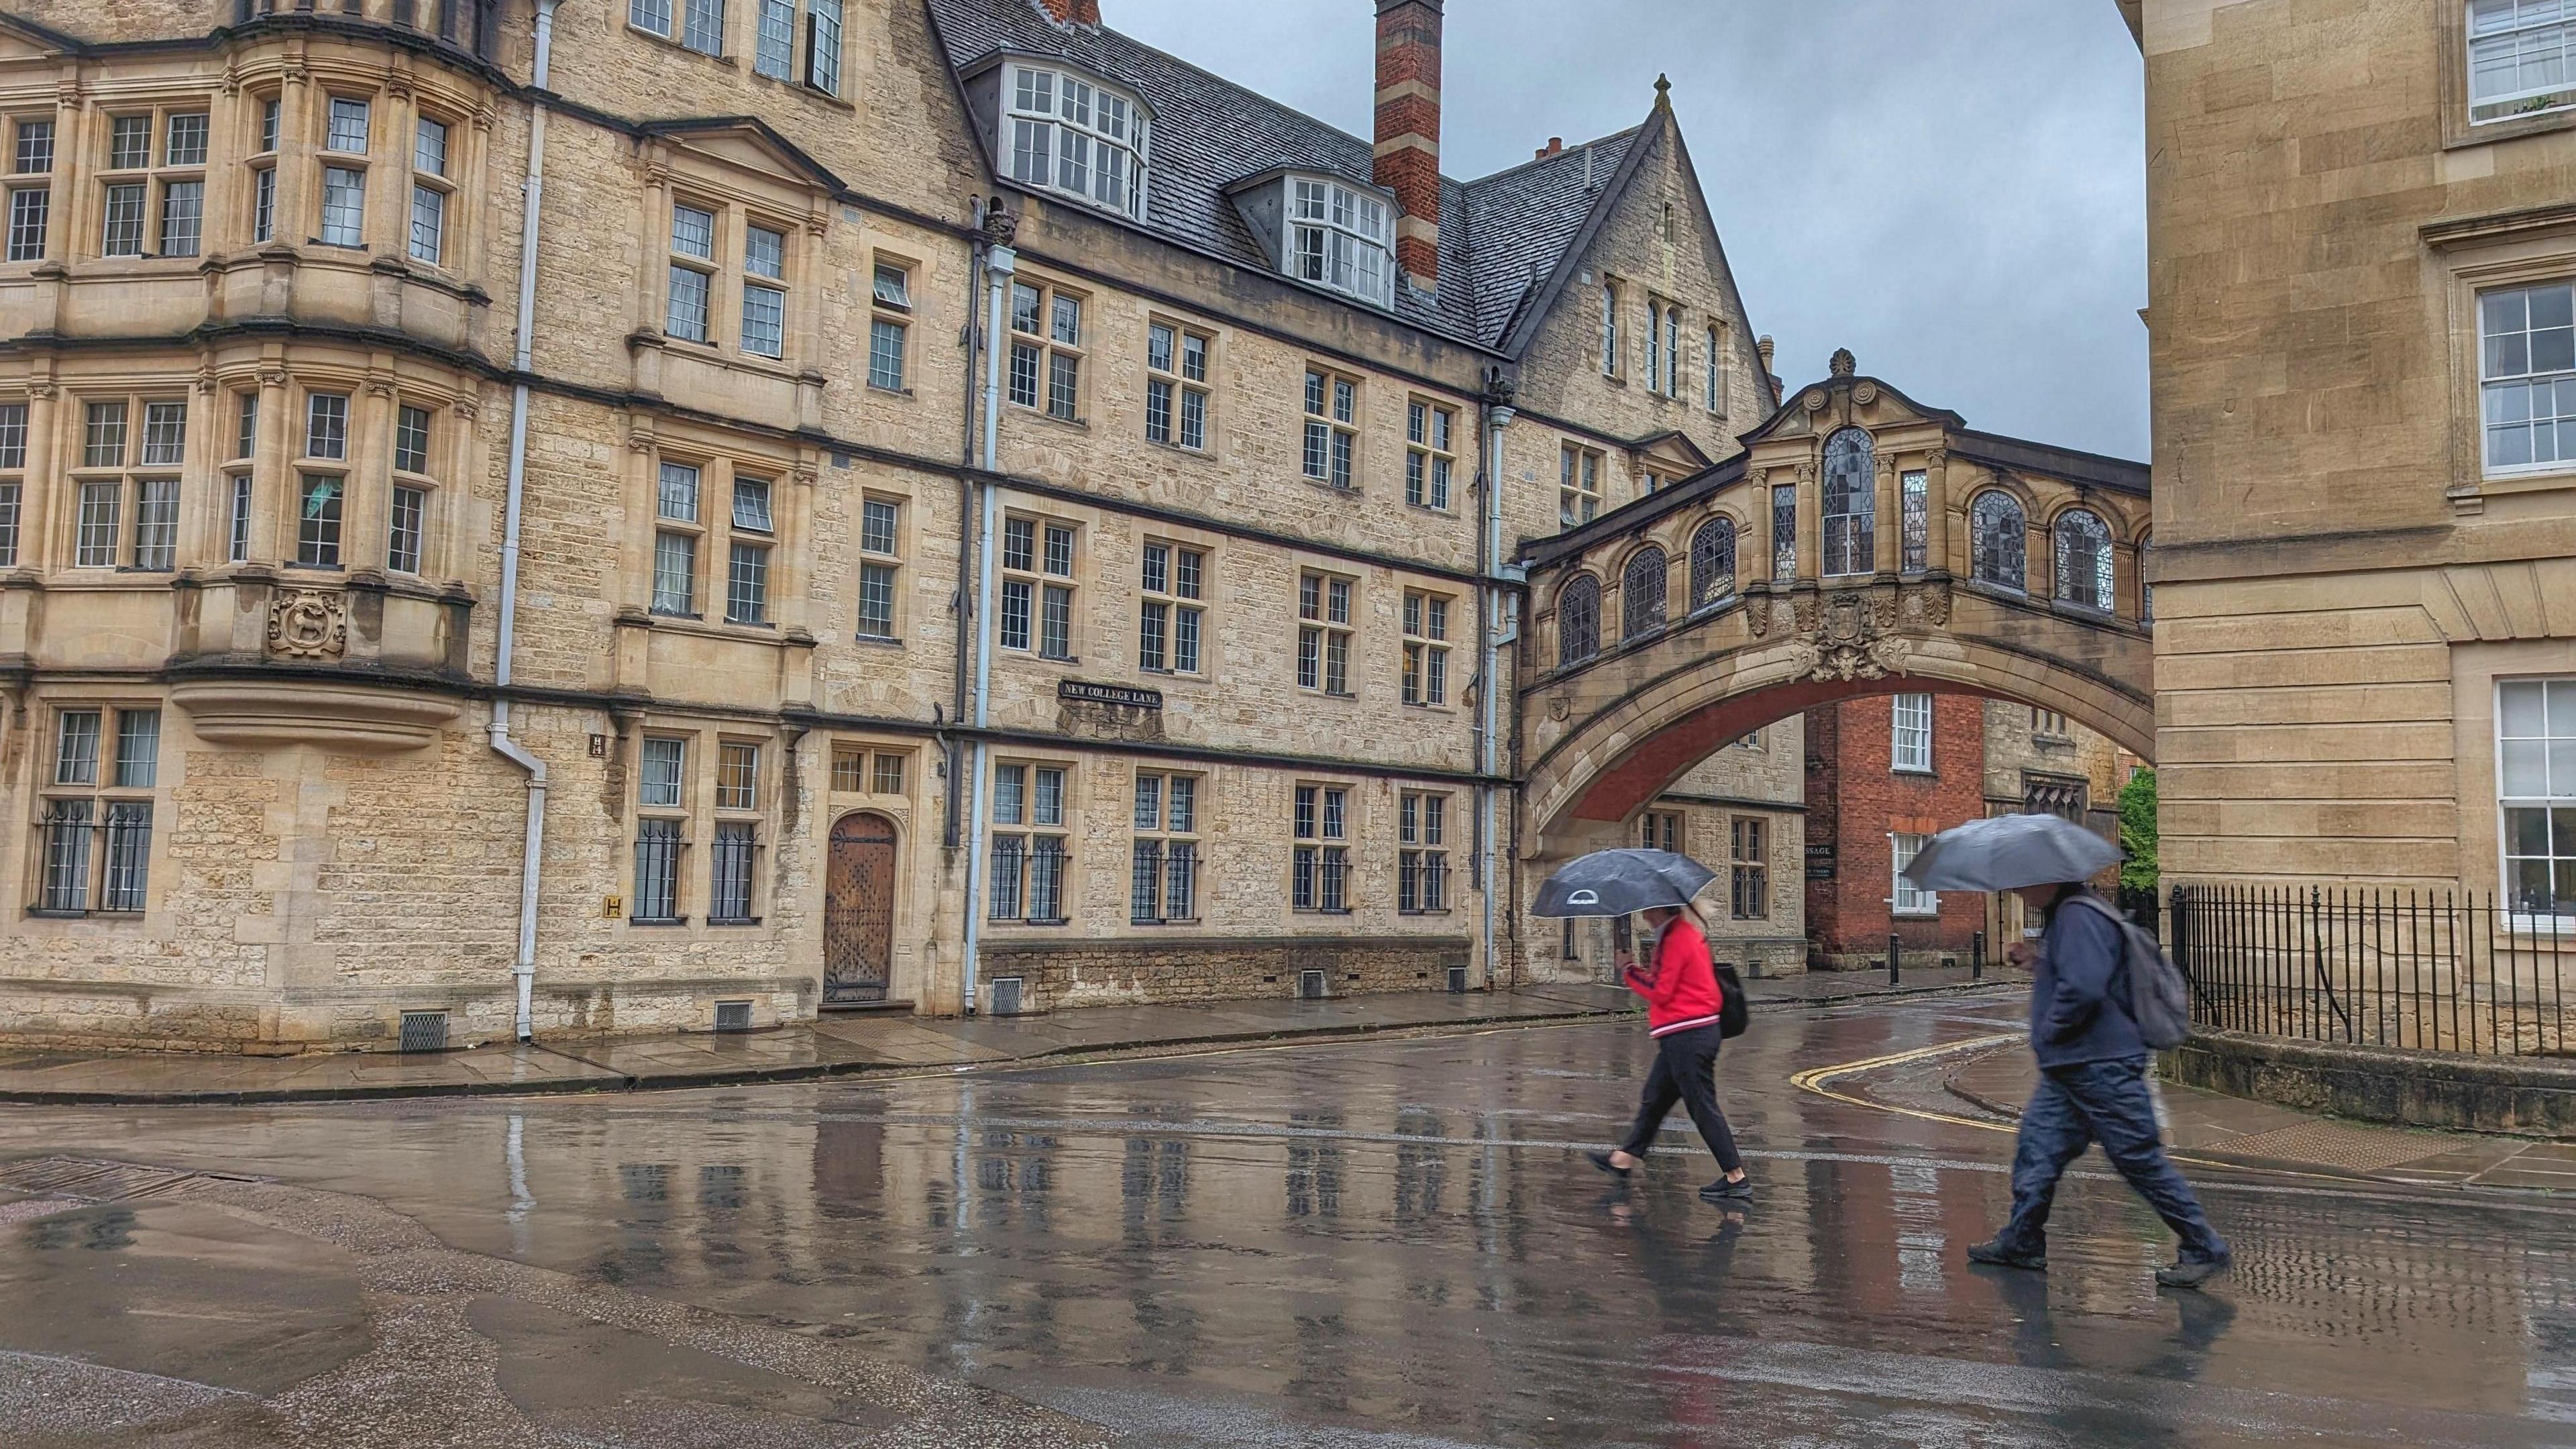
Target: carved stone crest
point(1560, 708)
point(308, 624)
point(1844, 636)
point(1925, 607)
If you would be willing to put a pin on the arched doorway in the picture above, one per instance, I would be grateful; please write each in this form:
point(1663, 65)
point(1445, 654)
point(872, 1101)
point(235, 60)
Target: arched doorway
point(858, 912)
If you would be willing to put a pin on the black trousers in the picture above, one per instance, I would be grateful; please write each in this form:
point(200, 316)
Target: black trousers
point(1685, 1071)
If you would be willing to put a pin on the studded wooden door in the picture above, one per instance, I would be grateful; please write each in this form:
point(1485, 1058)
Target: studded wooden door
point(858, 912)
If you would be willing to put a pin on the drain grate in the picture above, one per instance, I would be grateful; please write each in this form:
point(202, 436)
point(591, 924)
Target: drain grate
point(424, 1031)
point(2355, 1149)
point(1006, 995)
point(90, 1179)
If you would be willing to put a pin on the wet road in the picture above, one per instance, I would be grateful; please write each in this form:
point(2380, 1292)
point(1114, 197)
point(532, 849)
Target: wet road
point(1368, 1244)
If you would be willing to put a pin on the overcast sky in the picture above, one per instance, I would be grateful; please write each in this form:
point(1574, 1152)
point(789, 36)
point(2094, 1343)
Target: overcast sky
point(1953, 189)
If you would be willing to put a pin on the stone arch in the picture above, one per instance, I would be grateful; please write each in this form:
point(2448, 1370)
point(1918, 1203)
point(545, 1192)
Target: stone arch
point(1635, 746)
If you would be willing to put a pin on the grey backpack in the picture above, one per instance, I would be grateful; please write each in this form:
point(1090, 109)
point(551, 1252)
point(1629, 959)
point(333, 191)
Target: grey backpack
point(2159, 998)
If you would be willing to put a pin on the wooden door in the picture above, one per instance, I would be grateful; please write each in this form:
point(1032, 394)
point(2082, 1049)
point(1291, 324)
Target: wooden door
point(858, 912)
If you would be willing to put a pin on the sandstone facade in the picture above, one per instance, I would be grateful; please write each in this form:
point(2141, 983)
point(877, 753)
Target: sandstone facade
point(2360, 551)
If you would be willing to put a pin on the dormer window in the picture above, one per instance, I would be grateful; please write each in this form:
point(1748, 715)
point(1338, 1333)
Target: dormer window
point(1340, 238)
point(1066, 134)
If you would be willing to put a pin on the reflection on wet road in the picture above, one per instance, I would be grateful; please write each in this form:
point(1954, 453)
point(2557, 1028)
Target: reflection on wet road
point(1378, 1243)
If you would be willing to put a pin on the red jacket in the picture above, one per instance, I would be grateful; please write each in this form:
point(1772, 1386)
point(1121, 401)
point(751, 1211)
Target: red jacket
point(1681, 991)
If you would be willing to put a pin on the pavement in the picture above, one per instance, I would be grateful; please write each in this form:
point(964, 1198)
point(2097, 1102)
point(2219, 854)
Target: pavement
point(1383, 1241)
point(2214, 1127)
point(840, 1045)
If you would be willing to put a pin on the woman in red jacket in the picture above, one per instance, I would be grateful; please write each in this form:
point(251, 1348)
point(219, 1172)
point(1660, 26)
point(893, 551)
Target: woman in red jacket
point(1682, 1001)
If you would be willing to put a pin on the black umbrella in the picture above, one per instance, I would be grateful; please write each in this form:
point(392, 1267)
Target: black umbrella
point(1622, 882)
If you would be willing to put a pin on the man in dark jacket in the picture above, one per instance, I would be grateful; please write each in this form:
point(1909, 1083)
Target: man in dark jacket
point(2092, 1088)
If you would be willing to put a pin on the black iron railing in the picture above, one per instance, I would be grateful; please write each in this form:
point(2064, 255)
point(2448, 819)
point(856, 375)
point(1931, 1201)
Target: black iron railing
point(2425, 970)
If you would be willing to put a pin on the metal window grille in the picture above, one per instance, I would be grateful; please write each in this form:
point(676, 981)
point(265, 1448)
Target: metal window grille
point(657, 870)
point(422, 1031)
point(735, 854)
point(65, 885)
point(1008, 878)
point(1457, 980)
point(123, 885)
point(1145, 883)
point(889, 774)
point(733, 1016)
point(1046, 878)
point(1313, 985)
point(1332, 894)
point(1009, 995)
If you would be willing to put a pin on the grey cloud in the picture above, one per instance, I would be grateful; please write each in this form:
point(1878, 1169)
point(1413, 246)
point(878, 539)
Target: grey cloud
point(1954, 189)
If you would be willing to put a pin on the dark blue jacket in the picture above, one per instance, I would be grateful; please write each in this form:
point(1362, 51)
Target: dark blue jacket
point(2078, 1010)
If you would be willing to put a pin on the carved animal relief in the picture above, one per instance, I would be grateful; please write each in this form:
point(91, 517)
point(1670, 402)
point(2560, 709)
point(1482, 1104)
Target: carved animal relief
point(308, 624)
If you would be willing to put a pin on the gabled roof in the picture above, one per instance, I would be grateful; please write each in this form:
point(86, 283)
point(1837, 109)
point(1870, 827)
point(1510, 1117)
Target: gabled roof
point(1503, 239)
point(791, 156)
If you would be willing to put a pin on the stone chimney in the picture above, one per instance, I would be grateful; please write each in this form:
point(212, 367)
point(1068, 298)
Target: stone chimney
point(1072, 12)
point(1408, 129)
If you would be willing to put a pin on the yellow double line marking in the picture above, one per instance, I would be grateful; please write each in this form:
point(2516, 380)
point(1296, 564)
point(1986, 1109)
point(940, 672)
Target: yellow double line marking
point(1817, 1079)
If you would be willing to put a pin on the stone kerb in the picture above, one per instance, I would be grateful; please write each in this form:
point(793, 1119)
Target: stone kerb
point(2523, 1095)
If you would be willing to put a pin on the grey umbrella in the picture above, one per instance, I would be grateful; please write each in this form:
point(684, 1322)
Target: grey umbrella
point(2009, 852)
point(1620, 882)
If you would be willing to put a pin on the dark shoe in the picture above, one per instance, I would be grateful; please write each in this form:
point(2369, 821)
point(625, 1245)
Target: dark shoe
point(2192, 1271)
point(1724, 1191)
point(1999, 1254)
point(1602, 1160)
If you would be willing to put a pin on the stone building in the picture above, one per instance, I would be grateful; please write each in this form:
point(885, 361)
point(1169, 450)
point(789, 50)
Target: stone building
point(2361, 271)
point(628, 514)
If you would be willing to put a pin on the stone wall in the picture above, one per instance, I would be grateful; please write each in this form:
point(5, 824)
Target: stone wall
point(1128, 970)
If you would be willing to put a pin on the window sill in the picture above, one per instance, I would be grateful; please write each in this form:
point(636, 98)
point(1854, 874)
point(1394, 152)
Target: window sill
point(801, 88)
point(1352, 491)
point(1431, 508)
point(1184, 449)
point(1077, 424)
point(733, 920)
point(902, 392)
point(657, 920)
point(876, 641)
point(732, 623)
point(1915, 770)
point(1424, 911)
point(1018, 921)
point(675, 43)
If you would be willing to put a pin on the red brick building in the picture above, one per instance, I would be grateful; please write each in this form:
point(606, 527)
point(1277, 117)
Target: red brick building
point(1884, 774)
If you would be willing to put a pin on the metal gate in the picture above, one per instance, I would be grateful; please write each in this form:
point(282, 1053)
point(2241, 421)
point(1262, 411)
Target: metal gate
point(858, 912)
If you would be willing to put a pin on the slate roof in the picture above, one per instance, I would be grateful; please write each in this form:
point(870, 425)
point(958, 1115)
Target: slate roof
point(1500, 237)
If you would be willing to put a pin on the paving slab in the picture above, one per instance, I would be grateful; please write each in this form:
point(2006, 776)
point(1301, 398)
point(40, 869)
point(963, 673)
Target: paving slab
point(2234, 1131)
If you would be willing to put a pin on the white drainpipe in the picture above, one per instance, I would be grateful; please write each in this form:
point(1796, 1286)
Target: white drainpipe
point(532, 849)
point(1487, 756)
point(999, 265)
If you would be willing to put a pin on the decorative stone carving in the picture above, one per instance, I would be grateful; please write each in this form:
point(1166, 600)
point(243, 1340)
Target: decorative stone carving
point(1845, 636)
point(308, 624)
point(1560, 707)
point(1843, 364)
point(1865, 394)
point(1813, 401)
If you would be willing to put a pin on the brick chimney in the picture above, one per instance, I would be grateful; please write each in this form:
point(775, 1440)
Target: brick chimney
point(1408, 129)
point(1072, 12)
point(1555, 147)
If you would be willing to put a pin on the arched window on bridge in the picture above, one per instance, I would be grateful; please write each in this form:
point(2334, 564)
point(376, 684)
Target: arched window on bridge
point(1851, 503)
point(2083, 560)
point(1641, 595)
point(1712, 563)
point(1997, 537)
point(1578, 620)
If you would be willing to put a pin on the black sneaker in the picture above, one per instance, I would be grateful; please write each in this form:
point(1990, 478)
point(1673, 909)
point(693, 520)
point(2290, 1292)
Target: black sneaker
point(2191, 1272)
point(1602, 1160)
point(1995, 1253)
point(1725, 1191)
